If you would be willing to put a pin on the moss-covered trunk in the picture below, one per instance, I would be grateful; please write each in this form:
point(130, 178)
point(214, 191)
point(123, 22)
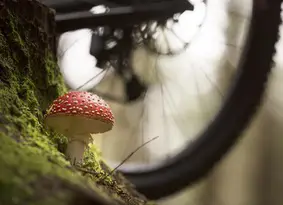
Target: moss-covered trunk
point(33, 169)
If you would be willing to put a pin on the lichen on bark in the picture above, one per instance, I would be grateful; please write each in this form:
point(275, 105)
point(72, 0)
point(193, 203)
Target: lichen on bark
point(33, 167)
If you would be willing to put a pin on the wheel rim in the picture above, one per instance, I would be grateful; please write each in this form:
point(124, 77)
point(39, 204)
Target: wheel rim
point(194, 163)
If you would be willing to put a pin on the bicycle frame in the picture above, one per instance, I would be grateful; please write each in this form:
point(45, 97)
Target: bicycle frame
point(76, 15)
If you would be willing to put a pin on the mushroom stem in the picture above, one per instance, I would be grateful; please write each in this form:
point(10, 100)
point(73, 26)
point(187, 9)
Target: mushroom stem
point(76, 147)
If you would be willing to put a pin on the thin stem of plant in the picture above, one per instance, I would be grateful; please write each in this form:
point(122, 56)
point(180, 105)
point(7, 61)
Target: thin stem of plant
point(132, 153)
point(117, 167)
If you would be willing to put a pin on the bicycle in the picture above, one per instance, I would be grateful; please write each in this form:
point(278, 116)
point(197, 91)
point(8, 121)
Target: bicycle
point(239, 106)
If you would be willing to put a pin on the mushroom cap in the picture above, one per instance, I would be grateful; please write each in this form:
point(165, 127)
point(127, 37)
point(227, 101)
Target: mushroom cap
point(79, 112)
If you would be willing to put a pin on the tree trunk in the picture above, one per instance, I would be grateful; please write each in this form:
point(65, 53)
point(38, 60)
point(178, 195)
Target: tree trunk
point(33, 168)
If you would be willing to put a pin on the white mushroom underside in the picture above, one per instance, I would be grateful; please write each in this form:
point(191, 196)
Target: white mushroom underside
point(76, 125)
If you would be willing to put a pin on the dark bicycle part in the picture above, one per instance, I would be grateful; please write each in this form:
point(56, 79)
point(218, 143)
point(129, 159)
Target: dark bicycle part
point(130, 2)
point(65, 6)
point(117, 55)
point(199, 157)
point(133, 86)
point(138, 12)
point(97, 45)
point(147, 33)
point(147, 39)
point(106, 46)
point(120, 17)
point(134, 89)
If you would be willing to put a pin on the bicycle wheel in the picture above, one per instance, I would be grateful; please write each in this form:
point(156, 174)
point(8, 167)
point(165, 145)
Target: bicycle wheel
point(239, 107)
point(198, 158)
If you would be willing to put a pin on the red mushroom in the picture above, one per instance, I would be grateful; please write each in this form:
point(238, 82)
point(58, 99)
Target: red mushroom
point(77, 115)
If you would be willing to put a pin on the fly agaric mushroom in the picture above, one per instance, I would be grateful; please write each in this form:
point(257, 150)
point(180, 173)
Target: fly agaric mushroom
point(77, 115)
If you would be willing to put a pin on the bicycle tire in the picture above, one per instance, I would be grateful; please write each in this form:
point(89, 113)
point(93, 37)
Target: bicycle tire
point(241, 104)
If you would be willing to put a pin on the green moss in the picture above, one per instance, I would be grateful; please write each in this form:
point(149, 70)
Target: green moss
point(31, 155)
point(14, 178)
point(29, 81)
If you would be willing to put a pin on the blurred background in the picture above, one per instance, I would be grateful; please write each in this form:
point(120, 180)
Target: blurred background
point(185, 91)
